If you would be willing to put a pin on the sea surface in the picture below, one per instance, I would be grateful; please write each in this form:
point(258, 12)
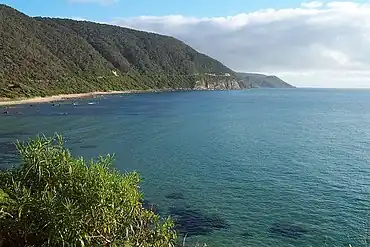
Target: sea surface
point(234, 168)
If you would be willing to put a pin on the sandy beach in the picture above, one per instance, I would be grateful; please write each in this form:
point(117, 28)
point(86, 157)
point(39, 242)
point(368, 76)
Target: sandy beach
point(60, 97)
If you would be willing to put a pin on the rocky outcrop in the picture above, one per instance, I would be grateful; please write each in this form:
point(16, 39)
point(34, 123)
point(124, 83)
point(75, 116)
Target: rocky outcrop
point(217, 83)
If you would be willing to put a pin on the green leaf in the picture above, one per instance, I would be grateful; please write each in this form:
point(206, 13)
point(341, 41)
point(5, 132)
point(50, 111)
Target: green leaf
point(3, 196)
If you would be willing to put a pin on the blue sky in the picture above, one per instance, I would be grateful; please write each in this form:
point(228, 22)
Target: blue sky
point(92, 10)
point(308, 43)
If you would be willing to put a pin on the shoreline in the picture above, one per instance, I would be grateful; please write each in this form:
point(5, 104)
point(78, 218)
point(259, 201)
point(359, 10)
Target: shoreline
point(4, 102)
point(62, 97)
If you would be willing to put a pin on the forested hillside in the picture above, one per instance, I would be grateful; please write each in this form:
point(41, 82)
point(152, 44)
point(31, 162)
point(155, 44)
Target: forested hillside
point(46, 56)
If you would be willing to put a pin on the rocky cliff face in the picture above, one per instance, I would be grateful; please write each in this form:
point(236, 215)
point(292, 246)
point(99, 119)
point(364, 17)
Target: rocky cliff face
point(217, 83)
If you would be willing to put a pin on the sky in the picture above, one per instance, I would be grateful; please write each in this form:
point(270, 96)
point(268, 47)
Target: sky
point(306, 43)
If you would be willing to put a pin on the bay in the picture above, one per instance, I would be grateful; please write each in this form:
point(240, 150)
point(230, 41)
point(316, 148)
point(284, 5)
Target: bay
point(264, 167)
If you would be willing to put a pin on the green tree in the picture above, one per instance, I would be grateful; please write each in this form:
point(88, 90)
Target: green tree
point(54, 199)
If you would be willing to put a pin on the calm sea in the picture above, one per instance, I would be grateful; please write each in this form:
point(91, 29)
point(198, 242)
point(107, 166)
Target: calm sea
point(234, 168)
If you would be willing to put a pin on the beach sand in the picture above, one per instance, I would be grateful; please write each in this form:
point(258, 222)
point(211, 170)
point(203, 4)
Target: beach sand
point(60, 97)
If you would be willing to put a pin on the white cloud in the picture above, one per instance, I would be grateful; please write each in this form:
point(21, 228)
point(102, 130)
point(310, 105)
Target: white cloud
point(316, 44)
point(102, 2)
point(313, 5)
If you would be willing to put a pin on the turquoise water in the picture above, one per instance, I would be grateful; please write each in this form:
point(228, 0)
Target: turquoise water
point(235, 168)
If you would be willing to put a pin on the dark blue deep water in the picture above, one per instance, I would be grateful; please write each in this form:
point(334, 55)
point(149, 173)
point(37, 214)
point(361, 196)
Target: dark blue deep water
point(234, 168)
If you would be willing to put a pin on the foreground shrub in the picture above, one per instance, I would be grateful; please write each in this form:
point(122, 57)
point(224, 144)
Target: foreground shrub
point(53, 199)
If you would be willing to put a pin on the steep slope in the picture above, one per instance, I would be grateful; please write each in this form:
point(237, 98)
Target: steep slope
point(252, 80)
point(142, 51)
point(46, 56)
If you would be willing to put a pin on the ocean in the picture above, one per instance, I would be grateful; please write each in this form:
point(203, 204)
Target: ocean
point(260, 167)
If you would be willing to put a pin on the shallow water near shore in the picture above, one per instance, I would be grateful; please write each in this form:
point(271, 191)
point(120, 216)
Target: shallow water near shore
point(234, 168)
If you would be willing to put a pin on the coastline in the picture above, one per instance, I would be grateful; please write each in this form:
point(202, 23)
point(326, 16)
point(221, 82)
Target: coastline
point(60, 97)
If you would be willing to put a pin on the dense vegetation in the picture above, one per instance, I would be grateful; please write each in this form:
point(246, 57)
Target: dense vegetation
point(48, 56)
point(45, 56)
point(252, 80)
point(53, 199)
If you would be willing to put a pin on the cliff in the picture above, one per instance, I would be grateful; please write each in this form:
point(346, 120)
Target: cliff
point(217, 82)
